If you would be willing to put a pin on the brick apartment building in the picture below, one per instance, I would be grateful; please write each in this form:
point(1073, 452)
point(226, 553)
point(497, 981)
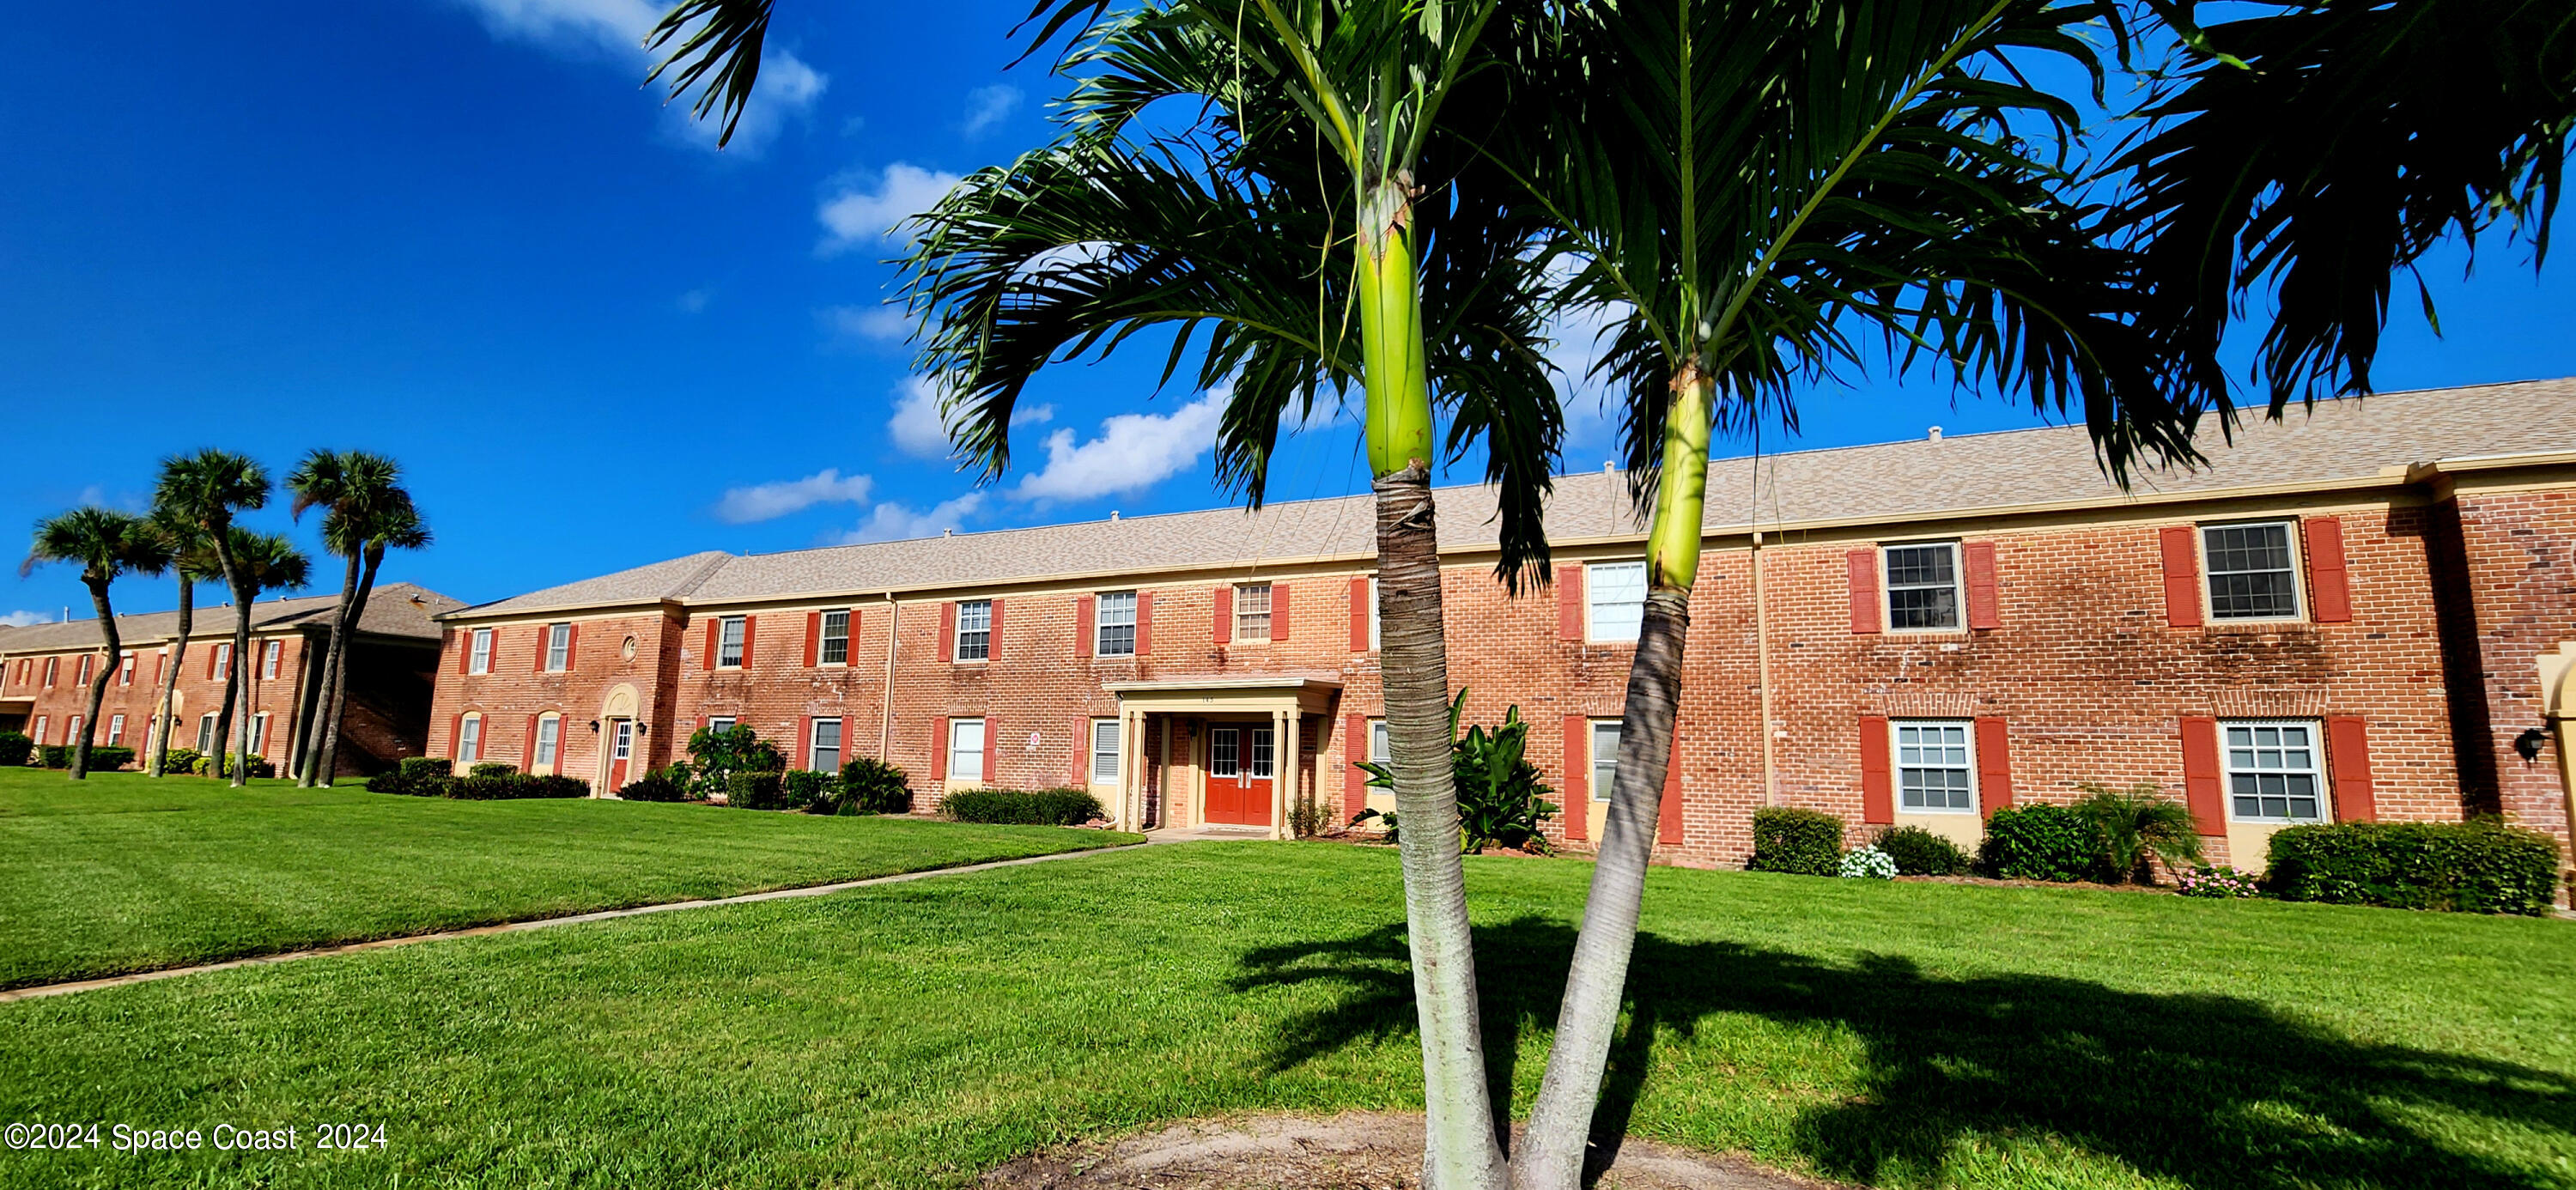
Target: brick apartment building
point(2348, 615)
point(45, 671)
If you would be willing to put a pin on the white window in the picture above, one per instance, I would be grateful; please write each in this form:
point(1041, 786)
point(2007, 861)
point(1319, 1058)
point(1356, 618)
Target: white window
point(224, 661)
point(719, 724)
point(2253, 573)
point(834, 648)
point(729, 635)
point(1252, 612)
point(51, 671)
point(259, 733)
point(125, 671)
point(1372, 598)
point(115, 729)
point(1104, 749)
point(269, 658)
point(83, 672)
point(469, 740)
point(1616, 592)
point(205, 733)
point(558, 647)
point(965, 749)
point(1605, 758)
point(40, 728)
point(1115, 635)
point(549, 740)
point(73, 737)
point(975, 630)
point(2272, 773)
point(1259, 765)
point(1379, 751)
point(1922, 586)
point(826, 756)
point(480, 661)
point(1933, 771)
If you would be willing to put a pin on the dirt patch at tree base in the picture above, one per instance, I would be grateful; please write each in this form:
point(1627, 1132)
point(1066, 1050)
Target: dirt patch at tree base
point(1352, 1151)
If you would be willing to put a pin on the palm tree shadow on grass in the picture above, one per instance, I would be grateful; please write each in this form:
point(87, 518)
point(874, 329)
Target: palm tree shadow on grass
point(2207, 1090)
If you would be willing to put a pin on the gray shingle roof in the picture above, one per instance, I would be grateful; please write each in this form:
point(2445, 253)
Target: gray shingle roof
point(1893, 483)
point(391, 611)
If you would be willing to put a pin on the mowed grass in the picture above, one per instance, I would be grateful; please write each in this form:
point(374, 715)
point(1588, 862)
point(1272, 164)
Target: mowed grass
point(913, 1035)
point(123, 873)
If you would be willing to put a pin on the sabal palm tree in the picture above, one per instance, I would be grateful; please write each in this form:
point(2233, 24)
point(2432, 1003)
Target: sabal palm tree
point(106, 545)
point(261, 563)
point(206, 489)
point(193, 561)
point(356, 489)
point(393, 525)
point(1288, 225)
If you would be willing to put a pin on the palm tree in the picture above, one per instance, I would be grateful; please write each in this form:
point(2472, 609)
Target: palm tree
point(261, 563)
point(358, 490)
point(193, 560)
point(1321, 126)
point(206, 489)
point(106, 544)
point(393, 525)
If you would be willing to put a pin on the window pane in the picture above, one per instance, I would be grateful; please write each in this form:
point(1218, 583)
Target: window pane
point(1222, 759)
point(558, 646)
point(1262, 748)
point(1932, 765)
point(2250, 575)
point(482, 652)
point(966, 750)
point(2272, 773)
point(1252, 612)
point(827, 746)
point(1115, 635)
point(1104, 749)
point(1616, 593)
point(975, 630)
point(1922, 586)
point(469, 746)
point(836, 639)
point(549, 737)
point(729, 641)
point(1605, 760)
point(1378, 750)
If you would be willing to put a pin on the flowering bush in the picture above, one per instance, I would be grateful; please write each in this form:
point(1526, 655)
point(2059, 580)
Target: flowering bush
point(1868, 863)
point(2215, 882)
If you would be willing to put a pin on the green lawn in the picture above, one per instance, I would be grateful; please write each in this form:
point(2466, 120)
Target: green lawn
point(912, 1035)
point(123, 873)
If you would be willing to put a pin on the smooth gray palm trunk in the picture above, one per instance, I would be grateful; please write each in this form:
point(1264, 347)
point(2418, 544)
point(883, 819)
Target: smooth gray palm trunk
point(98, 683)
point(308, 744)
point(1552, 1150)
point(336, 694)
point(159, 765)
point(1459, 1149)
point(232, 727)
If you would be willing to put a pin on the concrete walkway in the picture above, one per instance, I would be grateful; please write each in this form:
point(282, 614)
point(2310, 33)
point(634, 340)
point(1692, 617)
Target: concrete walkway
point(539, 923)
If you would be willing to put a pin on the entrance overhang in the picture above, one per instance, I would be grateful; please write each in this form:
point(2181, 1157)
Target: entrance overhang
point(1283, 698)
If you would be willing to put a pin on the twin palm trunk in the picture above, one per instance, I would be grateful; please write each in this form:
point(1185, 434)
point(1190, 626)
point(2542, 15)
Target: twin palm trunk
point(98, 683)
point(166, 716)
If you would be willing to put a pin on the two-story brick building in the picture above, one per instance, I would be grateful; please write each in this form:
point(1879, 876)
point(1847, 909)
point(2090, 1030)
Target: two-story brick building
point(2351, 614)
point(45, 670)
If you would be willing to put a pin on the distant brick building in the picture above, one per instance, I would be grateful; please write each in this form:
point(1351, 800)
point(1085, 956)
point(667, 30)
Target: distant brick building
point(45, 671)
point(2352, 614)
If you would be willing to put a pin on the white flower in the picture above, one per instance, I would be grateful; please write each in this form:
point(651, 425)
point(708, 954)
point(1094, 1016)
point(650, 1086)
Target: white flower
point(1868, 863)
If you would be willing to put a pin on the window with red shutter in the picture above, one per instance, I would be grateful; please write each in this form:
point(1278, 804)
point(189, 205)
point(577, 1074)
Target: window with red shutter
point(2348, 752)
point(2329, 589)
point(2200, 776)
point(1569, 606)
point(1985, 610)
point(1223, 619)
point(1862, 565)
point(2181, 555)
point(1083, 609)
point(1144, 622)
point(1577, 779)
point(1359, 597)
point(1877, 782)
point(1279, 593)
point(1994, 766)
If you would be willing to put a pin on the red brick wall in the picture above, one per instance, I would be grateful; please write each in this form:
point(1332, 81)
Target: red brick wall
point(2518, 550)
point(516, 688)
point(197, 693)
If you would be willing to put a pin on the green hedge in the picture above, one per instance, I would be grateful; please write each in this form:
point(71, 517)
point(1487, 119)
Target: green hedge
point(871, 786)
point(1803, 842)
point(660, 785)
point(810, 791)
point(422, 768)
point(1044, 807)
point(2040, 841)
point(1919, 852)
point(755, 791)
point(491, 768)
point(103, 758)
point(491, 787)
point(15, 748)
point(2463, 867)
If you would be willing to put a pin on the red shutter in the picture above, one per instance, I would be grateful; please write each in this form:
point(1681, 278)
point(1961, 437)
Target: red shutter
point(714, 626)
point(455, 735)
point(1569, 605)
point(2182, 579)
point(2348, 750)
point(2329, 591)
point(1144, 622)
point(993, 636)
point(750, 632)
point(1984, 611)
point(1354, 749)
point(813, 638)
point(1224, 617)
point(545, 636)
point(1994, 766)
point(804, 743)
point(1081, 751)
point(2200, 784)
point(1279, 612)
point(1864, 592)
point(1359, 617)
point(1577, 784)
point(1668, 824)
point(572, 647)
point(948, 632)
point(528, 759)
point(939, 748)
point(464, 656)
point(1877, 785)
point(1084, 610)
point(992, 753)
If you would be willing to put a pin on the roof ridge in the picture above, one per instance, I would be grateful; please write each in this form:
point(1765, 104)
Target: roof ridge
point(704, 572)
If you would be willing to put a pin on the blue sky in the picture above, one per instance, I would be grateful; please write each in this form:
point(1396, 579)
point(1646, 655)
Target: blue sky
point(456, 231)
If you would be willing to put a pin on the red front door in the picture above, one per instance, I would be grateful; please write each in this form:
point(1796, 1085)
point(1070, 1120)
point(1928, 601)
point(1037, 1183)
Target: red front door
point(1238, 783)
point(621, 749)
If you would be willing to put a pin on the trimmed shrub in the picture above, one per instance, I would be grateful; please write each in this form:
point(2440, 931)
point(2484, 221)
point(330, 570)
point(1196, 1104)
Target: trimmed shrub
point(15, 748)
point(810, 791)
point(2462, 867)
point(2040, 841)
point(221, 765)
point(180, 760)
point(660, 785)
point(392, 781)
point(871, 786)
point(423, 768)
point(491, 768)
point(1044, 807)
point(755, 791)
point(502, 787)
point(719, 755)
point(1803, 842)
point(107, 758)
point(54, 756)
point(1919, 852)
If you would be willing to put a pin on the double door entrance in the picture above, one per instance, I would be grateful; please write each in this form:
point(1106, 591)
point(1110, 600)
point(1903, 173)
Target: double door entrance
point(1240, 762)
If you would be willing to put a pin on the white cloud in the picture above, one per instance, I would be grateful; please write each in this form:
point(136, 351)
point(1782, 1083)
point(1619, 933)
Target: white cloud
point(1133, 451)
point(857, 216)
point(885, 325)
point(614, 30)
point(897, 522)
point(22, 619)
point(987, 106)
point(916, 424)
point(1033, 415)
point(769, 501)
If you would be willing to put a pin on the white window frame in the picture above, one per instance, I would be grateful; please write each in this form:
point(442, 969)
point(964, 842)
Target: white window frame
point(814, 745)
point(973, 645)
point(733, 637)
point(469, 740)
point(1896, 766)
point(1101, 625)
point(956, 735)
point(717, 723)
point(259, 734)
point(53, 670)
point(478, 656)
point(2316, 767)
point(80, 673)
point(824, 640)
point(74, 735)
point(1104, 765)
point(1380, 749)
point(1594, 630)
point(558, 647)
point(270, 655)
point(549, 751)
point(1269, 600)
point(2297, 568)
point(115, 730)
point(1604, 773)
point(125, 670)
point(224, 661)
point(206, 733)
point(1957, 586)
point(42, 722)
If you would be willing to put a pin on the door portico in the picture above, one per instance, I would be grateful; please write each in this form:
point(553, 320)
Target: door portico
point(1249, 756)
